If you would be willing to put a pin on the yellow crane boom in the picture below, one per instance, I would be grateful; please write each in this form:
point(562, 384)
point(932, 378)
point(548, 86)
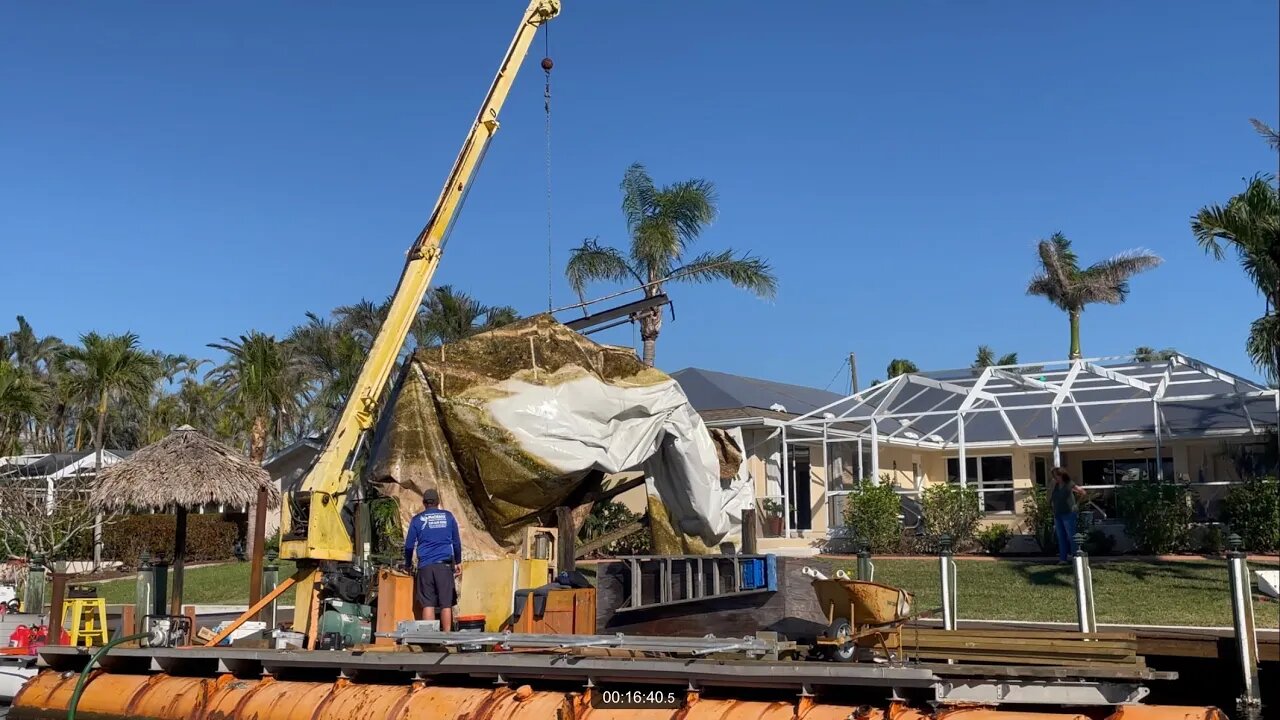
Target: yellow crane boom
point(311, 523)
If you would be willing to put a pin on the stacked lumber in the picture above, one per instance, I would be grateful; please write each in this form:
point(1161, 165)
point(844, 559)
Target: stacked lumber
point(1023, 647)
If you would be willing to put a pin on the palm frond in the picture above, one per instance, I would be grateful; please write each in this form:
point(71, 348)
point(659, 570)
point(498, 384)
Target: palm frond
point(1264, 343)
point(1108, 281)
point(637, 194)
point(1043, 286)
point(747, 272)
point(593, 261)
point(1267, 132)
point(687, 206)
point(655, 249)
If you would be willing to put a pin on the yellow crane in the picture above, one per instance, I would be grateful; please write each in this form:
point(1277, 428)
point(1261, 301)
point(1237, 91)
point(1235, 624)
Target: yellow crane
point(312, 527)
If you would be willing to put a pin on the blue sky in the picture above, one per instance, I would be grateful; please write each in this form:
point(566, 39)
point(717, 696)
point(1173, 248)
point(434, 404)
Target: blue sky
point(189, 172)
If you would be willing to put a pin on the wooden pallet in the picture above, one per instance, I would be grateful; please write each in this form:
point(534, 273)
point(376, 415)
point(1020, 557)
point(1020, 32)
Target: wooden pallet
point(1023, 647)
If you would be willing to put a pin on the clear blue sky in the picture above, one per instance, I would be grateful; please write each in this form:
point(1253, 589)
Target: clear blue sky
point(189, 171)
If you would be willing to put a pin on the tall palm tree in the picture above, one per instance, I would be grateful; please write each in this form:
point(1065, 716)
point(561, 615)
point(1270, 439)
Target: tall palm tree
point(1249, 223)
point(261, 379)
point(900, 366)
point(1071, 288)
point(107, 369)
point(663, 224)
point(987, 358)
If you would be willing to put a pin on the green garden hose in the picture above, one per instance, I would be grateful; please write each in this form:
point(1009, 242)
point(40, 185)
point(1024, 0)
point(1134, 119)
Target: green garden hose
point(84, 674)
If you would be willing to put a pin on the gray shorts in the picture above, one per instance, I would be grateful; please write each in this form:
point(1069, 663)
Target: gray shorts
point(433, 586)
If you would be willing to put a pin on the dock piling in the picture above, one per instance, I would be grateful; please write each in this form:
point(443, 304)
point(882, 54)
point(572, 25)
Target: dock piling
point(1085, 615)
point(1250, 703)
point(947, 574)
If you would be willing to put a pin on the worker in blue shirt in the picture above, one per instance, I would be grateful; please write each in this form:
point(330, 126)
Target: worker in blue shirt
point(433, 535)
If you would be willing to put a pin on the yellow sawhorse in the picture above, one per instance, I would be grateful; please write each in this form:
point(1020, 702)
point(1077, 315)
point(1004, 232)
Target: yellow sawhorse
point(86, 621)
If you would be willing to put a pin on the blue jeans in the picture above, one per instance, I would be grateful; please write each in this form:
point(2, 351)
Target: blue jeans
point(1064, 527)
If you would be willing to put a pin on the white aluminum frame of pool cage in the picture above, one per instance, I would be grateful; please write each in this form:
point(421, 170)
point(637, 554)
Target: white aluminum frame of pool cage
point(825, 426)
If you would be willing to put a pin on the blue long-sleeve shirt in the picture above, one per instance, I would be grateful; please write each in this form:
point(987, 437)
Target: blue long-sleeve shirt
point(434, 535)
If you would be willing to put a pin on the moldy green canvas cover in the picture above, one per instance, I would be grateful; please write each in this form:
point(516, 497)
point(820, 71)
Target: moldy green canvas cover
point(509, 424)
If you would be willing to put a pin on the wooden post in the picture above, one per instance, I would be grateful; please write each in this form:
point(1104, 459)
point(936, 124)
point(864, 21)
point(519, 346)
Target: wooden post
point(190, 612)
point(566, 535)
point(259, 543)
point(749, 546)
point(179, 560)
point(59, 582)
point(128, 620)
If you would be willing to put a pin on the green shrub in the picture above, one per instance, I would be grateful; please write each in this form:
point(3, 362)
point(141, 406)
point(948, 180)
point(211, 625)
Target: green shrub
point(994, 538)
point(1039, 521)
point(950, 510)
point(209, 538)
point(871, 514)
point(1099, 542)
point(1252, 511)
point(1157, 515)
point(1209, 540)
point(608, 516)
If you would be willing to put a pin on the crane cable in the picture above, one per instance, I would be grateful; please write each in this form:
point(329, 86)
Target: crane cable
point(546, 108)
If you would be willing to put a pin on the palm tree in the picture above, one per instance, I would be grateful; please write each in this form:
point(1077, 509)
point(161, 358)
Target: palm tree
point(22, 400)
point(29, 351)
point(987, 358)
point(1062, 281)
point(102, 370)
point(1250, 223)
point(261, 379)
point(663, 224)
point(107, 369)
point(900, 366)
point(1143, 353)
point(448, 315)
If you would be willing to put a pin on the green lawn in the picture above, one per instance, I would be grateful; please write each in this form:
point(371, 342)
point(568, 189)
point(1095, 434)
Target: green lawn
point(1127, 592)
point(1186, 592)
point(226, 584)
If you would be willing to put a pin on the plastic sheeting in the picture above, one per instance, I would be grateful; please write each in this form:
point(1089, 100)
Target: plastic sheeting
point(512, 423)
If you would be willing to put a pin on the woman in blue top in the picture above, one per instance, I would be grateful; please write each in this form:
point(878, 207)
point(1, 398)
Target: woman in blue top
point(1063, 493)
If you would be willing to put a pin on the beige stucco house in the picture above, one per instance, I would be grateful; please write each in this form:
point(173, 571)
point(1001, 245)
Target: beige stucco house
point(998, 430)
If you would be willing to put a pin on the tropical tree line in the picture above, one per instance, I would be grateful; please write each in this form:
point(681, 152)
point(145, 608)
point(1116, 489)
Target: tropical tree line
point(258, 393)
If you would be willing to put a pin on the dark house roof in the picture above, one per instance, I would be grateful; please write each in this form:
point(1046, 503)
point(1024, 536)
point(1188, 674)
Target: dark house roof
point(719, 396)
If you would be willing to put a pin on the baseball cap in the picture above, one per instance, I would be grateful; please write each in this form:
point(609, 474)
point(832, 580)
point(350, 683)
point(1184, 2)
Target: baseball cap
point(430, 495)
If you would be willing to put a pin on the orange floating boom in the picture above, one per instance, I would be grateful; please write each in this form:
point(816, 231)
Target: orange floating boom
point(163, 697)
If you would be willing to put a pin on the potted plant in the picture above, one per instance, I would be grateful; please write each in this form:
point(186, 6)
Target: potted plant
point(772, 511)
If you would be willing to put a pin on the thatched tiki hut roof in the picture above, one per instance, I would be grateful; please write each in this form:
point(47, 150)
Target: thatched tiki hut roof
point(184, 470)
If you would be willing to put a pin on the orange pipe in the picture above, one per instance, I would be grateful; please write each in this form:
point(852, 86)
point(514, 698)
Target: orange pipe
point(163, 697)
point(1166, 712)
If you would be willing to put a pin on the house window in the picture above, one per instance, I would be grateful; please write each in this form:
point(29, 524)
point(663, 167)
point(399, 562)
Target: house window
point(991, 476)
point(1102, 477)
